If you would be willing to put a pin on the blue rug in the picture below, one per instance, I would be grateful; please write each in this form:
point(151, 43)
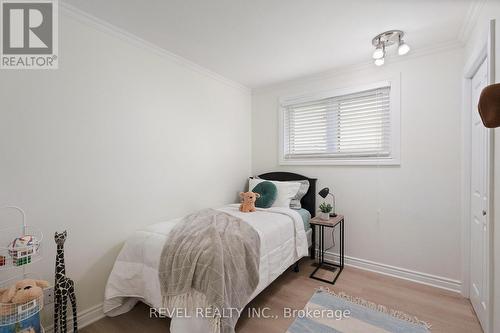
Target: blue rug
point(327, 312)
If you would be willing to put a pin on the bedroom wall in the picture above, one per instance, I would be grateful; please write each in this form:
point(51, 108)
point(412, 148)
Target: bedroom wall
point(491, 10)
point(418, 232)
point(119, 137)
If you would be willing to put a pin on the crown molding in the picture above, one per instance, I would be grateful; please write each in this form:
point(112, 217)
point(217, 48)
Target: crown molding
point(337, 71)
point(470, 20)
point(106, 27)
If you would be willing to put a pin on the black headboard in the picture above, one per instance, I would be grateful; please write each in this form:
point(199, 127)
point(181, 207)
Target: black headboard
point(309, 200)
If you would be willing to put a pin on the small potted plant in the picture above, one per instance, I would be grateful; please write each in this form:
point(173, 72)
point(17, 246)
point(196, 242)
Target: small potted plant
point(325, 209)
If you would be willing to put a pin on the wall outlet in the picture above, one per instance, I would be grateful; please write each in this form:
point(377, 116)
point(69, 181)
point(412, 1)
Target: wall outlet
point(48, 296)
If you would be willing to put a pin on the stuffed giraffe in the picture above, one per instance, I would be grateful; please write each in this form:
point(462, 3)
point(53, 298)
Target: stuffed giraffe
point(64, 289)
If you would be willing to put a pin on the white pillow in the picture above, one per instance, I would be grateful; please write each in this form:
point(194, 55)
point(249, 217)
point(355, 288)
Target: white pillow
point(286, 191)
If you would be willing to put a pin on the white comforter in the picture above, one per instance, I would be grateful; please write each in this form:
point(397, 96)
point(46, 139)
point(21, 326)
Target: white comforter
point(135, 274)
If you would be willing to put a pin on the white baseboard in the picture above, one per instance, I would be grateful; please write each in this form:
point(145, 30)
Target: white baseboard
point(85, 318)
point(398, 272)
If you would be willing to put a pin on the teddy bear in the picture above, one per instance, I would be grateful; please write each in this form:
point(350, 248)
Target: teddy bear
point(22, 292)
point(248, 201)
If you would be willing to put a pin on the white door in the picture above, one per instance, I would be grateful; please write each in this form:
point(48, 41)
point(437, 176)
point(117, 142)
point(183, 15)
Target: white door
point(479, 247)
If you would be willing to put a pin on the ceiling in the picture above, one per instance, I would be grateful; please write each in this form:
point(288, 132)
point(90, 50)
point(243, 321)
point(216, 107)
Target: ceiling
point(261, 42)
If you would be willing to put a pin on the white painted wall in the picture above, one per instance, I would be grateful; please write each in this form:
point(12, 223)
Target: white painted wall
point(491, 10)
point(117, 138)
point(419, 226)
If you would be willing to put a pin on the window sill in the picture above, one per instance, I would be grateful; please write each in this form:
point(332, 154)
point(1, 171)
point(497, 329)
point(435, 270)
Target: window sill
point(346, 162)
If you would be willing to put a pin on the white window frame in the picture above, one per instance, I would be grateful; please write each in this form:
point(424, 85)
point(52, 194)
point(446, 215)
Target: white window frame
point(395, 118)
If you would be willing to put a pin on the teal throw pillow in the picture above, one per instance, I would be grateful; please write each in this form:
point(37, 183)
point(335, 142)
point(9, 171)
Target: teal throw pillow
point(268, 193)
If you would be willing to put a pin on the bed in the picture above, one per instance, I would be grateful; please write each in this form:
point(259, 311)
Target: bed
point(285, 238)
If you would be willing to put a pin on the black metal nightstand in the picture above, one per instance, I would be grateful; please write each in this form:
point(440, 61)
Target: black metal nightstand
point(322, 224)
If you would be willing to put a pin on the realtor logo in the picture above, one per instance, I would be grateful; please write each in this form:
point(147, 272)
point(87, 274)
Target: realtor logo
point(29, 34)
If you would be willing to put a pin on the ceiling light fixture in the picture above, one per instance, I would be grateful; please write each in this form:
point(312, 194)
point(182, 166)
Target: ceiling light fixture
point(403, 48)
point(385, 39)
point(379, 53)
point(379, 62)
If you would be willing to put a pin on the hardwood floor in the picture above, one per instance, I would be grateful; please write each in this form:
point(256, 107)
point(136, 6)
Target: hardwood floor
point(445, 311)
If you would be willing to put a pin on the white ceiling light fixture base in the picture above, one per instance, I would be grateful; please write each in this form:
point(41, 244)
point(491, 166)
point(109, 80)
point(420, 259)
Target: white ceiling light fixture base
point(386, 39)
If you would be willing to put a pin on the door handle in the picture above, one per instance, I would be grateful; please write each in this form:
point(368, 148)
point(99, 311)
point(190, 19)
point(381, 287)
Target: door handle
point(484, 213)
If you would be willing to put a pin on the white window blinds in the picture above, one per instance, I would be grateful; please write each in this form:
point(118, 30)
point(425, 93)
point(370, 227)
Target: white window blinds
point(354, 125)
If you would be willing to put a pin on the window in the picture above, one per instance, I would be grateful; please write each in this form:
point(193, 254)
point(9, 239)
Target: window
point(351, 126)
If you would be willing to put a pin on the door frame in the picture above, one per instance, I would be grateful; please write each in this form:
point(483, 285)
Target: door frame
point(485, 51)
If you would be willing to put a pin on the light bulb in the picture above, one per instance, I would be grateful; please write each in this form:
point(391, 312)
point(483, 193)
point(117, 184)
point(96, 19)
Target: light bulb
point(403, 48)
point(379, 62)
point(378, 53)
